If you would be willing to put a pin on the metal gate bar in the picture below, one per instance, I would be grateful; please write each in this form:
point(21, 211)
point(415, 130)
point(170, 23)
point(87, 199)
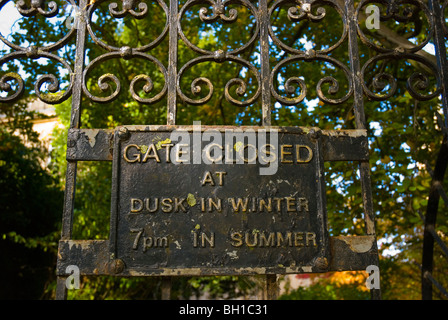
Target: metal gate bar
point(440, 37)
point(70, 184)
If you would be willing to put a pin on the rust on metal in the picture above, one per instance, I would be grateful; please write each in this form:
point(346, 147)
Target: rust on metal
point(93, 258)
point(183, 203)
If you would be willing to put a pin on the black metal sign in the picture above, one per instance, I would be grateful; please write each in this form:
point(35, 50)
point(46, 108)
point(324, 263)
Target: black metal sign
point(227, 200)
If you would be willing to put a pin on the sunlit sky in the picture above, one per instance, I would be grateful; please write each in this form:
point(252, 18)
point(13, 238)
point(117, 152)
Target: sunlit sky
point(8, 15)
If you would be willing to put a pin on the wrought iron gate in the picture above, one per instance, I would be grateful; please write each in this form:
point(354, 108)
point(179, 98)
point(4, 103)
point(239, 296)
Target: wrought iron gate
point(100, 144)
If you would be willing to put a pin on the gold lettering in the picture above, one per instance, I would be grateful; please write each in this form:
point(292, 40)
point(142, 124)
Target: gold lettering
point(181, 151)
point(270, 241)
point(280, 239)
point(255, 239)
point(279, 203)
point(290, 202)
point(156, 242)
point(211, 240)
point(307, 159)
point(262, 205)
point(221, 178)
point(208, 178)
point(254, 157)
point(264, 239)
point(195, 239)
point(167, 205)
point(268, 155)
point(202, 205)
point(211, 204)
point(303, 203)
point(137, 155)
point(204, 240)
point(167, 146)
point(236, 237)
point(240, 203)
point(208, 150)
point(310, 237)
point(135, 209)
point(151, 156)
point(284, 153)
point(178, 203)
point(147, 243)
point(156, 205)
point(298, 238)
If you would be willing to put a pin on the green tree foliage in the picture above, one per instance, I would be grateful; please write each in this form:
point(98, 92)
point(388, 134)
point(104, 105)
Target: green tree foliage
point(31, 203)
point(404, 132)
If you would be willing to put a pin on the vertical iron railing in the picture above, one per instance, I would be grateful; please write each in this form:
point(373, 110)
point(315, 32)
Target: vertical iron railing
point(75, 123)
point(430, 236)
point(358, 102)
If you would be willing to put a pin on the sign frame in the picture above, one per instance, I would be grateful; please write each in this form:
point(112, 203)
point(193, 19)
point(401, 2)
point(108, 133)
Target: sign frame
point(123, 264)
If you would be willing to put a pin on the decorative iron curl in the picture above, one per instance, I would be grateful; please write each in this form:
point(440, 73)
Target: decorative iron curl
point(196, 88)
point(34, 10)
point(128, 6)
point(392, 12)
point(416, 82)
point(305, 12)
point(218, 12)
point(290, 89)
point(51, 79)
point(104, 82)
point(380, 81)
point(6, 86)
point(294, 14)
point(36, 6)
point(218, 9)
point(147, 88)
point(53, 83)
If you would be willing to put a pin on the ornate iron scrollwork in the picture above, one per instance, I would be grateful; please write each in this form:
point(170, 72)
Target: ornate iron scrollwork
point(220, 55)
point(125, 52)
point(48, 51)
point(128, 7)
point(264, 34)
point(36, 6)
point(402, 12)
point(298, 11)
